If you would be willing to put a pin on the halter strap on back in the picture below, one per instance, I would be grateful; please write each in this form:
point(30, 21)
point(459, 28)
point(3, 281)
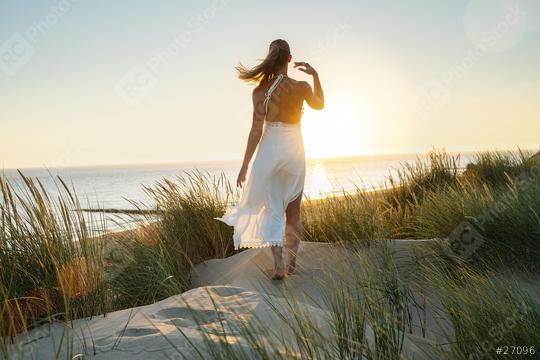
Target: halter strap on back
point(268, 93)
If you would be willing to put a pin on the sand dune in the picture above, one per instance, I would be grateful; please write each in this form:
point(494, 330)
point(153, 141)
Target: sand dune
point(229, 295)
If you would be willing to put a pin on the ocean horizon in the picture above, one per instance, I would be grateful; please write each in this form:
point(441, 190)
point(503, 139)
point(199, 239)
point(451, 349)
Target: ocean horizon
point(118, 186)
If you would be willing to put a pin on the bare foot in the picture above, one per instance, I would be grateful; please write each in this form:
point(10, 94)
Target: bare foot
point(279, 274)
point(291, 268)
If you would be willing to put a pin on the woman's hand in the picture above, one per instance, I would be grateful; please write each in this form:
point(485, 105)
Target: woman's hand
point(305, 67)
point(241, 176)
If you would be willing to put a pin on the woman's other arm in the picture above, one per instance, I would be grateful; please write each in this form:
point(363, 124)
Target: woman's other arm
point(253, 140)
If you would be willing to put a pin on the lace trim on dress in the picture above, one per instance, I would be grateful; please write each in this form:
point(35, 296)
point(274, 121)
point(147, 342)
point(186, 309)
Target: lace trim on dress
point(257, 244)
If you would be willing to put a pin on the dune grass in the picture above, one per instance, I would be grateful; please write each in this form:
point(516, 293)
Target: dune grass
point(431, 198)
point(507, 217)
point(486, 309)
point(371, 310)
point(55, 267)
point(495, 167)
point(382, 213)
point(50, 263)
point(186, 233)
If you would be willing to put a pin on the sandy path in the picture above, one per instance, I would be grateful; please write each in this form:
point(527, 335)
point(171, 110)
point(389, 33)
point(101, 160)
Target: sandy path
point(228, 294)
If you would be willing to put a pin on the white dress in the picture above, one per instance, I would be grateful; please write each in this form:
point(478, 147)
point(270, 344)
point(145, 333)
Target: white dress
point(276, 179)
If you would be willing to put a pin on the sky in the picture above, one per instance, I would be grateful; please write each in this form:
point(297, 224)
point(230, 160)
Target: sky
point(118, 82)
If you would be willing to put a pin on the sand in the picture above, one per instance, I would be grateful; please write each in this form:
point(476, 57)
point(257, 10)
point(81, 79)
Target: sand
point(229, 295)
point(233, 294)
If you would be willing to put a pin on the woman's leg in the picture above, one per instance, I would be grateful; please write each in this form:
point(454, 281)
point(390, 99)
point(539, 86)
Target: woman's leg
point(279, 271)
point(292, 232)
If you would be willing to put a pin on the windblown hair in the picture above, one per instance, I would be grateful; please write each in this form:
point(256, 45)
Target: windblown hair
point(277, 56)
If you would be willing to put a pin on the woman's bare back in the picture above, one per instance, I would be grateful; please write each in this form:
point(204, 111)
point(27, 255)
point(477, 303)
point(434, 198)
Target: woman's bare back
point(286, 103)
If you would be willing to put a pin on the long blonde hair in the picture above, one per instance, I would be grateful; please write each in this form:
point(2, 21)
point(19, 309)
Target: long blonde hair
point(278, 55)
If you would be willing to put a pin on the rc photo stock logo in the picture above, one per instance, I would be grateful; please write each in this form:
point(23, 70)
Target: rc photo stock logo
point(136, 84)
point(491, 26)
point(464, 241)
point(139, 81)
point(15, 53)
point(18, 49)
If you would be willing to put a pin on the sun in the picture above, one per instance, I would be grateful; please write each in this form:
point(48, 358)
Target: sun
point(340, 129)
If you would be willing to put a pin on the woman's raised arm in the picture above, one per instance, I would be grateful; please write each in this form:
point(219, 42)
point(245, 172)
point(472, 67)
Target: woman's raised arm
point(315, 97)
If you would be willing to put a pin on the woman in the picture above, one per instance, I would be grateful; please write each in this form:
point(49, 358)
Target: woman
point(269, 209)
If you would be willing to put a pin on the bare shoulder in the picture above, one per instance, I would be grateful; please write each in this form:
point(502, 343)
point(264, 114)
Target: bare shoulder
point(299, 86)
point(257, 93)
point(304, 86)
point(294, 82)
point(257, 90)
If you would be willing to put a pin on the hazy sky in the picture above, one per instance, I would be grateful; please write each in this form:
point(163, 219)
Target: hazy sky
point(106, 82)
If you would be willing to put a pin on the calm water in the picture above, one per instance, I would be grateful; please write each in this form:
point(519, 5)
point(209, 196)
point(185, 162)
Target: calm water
point(113, 186)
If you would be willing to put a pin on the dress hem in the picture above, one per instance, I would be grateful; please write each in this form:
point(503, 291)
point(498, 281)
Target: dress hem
point(257, 244)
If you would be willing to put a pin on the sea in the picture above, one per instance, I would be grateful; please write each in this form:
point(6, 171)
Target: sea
point(120, 187)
